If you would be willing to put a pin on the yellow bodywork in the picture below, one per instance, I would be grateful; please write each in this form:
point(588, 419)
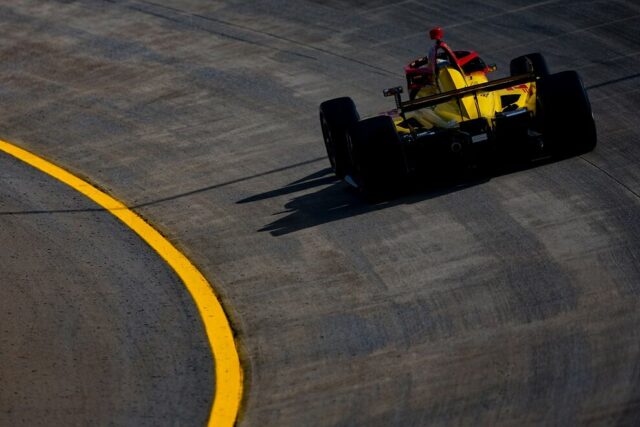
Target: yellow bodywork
point(450, 114)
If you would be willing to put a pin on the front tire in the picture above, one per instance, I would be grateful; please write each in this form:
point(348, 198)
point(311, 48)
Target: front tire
point(336, 116)
point(530, 63)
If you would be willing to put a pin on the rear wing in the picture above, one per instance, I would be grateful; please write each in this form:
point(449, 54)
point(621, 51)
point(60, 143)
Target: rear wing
point(428, 101)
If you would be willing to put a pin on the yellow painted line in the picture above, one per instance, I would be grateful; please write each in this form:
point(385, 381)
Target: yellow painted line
point(228, 373)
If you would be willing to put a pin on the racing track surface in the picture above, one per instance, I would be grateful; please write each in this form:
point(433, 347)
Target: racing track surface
point(508, 301)
point(95, 327)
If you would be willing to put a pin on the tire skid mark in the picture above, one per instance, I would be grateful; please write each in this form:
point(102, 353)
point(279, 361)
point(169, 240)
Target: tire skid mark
point(611, 177)
point(379, 70)
point(192, 24)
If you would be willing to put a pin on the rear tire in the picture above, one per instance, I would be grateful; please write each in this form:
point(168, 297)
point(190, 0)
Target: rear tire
point(376, 156)
point(336, 116)
point(567, 123)
point(530, 63)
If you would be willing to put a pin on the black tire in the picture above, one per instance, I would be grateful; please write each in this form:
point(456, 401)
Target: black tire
point(530, 63)
point(565, 115)
point(336, 116)
point(376, 156)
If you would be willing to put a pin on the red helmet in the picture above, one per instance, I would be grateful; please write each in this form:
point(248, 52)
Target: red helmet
point(436, 33)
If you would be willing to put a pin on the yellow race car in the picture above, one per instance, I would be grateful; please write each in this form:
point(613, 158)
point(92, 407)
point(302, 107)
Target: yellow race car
point(455, 117)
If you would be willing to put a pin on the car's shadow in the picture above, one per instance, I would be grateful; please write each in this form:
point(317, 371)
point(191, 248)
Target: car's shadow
point(336, 200)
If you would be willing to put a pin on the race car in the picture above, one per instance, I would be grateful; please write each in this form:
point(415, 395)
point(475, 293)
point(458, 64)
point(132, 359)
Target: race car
point(456, 118)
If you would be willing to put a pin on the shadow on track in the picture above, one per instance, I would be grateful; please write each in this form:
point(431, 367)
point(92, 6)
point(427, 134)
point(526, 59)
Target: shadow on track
point(224, 184)
point(323, 177)
point(168, 198)
point(336, 200)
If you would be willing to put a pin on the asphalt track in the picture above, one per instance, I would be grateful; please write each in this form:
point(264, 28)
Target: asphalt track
point(508, 301)
point(87, 311)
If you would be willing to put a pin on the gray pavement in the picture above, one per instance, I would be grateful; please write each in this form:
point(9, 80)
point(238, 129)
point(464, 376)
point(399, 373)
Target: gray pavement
point(95, 329)
point(509, 301)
